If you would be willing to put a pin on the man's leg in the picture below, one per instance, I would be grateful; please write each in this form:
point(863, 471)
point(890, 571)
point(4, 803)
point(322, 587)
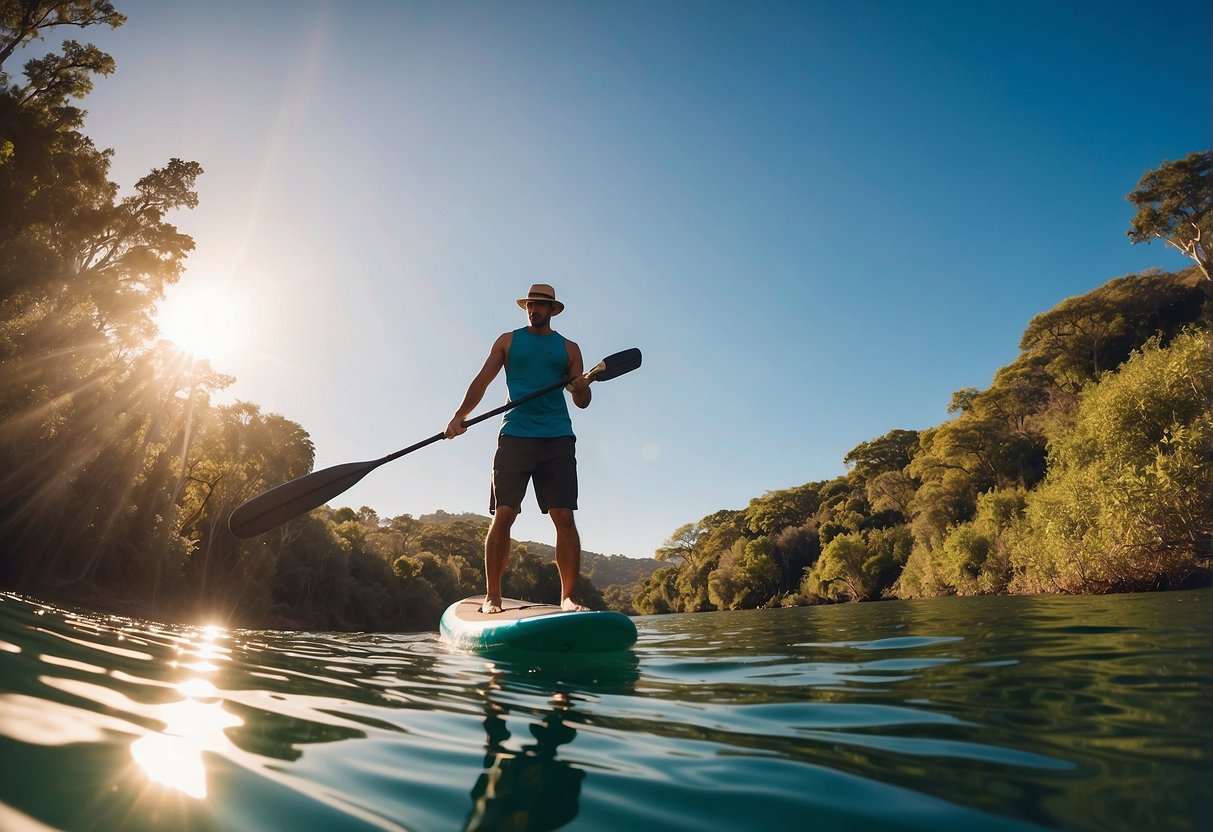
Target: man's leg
point(568, 555)
point(496, 556)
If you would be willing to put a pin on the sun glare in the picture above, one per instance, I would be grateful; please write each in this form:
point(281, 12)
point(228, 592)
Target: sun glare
point(173, 757)
point(197, 723)
point(207, 321)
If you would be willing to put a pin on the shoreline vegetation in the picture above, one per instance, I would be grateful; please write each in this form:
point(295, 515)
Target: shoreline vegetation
point(1085, 467)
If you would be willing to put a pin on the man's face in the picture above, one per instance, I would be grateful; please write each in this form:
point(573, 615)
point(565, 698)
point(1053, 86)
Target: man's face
point(538, 313)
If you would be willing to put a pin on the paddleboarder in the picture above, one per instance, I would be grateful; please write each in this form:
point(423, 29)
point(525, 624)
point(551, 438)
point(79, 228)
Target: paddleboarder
point(536, 443)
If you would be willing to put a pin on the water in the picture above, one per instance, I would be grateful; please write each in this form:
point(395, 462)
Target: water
point(977, 713)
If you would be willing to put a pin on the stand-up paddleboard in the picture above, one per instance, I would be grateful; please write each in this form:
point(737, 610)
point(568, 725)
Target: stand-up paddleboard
point(539, 627)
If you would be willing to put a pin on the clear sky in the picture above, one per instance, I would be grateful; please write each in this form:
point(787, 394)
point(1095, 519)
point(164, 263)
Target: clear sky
point(817, 219)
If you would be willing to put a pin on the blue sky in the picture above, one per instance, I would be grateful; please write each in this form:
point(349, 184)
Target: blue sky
point(816, 219)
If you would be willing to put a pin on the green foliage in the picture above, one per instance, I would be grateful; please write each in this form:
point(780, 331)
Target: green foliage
point(778, 510)
point(696, 550)
point(1084, 336)
point(96, 430)
point(22, 21)
point(464, 538)
point(1175, 203)
point(885, 454)
point(1128, 502)
point(975, 557)
point(530, 577)
point(947, 497)
point(680, 546)
point(891, 491)
point(857, 566)
point(746, 576)
point(659, 594)
point(620, 598)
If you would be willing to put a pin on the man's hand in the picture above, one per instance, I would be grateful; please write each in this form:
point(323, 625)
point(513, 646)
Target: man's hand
point(580, 384)
point(455, 427)
point(580, 388)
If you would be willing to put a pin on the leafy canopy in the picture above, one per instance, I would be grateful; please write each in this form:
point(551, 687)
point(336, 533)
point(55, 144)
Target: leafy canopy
point(1175, 204)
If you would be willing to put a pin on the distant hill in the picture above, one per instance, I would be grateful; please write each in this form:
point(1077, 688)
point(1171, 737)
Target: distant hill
point(441, 516)
point(603, 570)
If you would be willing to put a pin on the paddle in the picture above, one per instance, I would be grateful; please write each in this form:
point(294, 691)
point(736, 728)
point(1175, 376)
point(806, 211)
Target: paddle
point(274, 507)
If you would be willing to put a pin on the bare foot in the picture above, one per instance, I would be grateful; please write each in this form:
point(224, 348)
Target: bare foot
point(490, 607)
point(569, 605)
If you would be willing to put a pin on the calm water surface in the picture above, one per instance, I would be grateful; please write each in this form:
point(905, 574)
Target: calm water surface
point(956, 713)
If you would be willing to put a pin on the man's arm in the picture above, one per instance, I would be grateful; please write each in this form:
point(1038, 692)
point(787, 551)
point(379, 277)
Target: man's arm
point(580, 385)
point(492, 366)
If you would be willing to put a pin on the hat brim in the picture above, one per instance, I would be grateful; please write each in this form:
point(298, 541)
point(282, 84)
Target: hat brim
point(557, 306)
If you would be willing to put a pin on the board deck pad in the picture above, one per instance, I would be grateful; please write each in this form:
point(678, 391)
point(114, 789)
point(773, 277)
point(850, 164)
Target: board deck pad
point(530, 626)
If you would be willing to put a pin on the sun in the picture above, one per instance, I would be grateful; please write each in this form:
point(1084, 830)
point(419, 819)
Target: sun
point(205, 320)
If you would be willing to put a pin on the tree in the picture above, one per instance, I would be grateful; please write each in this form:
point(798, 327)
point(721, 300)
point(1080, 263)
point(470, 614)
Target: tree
point(947, 496)
point(891, 491)
point(694, 549)
point(22, 21)
point(233, 453)
point(845, 569)
point(974, 557)
point(1084, 336)
point(534, 579)
point(96, 422)
point(658, 594)
point(680, 546)
point(395, 537)
point(1019, 394)
point(619, 598)
point(746, 577)
point(888, 453)
point(796, 548)
point(459, 538)
point(55, 78)
point(777, 510)
point(1175, 204)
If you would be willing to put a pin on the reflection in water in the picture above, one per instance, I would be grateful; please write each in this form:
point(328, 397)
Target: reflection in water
point(205, 652)
point(173, 756)
point(527, 789)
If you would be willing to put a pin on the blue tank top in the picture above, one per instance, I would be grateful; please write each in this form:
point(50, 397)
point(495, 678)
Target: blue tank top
point(534, 362)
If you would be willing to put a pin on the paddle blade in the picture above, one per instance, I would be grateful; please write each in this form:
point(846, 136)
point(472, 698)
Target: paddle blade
point(616, 365)
point(272, 508)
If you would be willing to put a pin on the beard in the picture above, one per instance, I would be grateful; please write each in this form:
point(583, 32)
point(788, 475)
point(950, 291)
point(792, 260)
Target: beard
point(539, 320)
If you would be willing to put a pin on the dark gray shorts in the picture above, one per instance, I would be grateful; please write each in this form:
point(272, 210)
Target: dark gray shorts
point(551, 463)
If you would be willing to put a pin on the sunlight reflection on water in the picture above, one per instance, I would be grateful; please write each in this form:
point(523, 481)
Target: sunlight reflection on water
point(174, 756)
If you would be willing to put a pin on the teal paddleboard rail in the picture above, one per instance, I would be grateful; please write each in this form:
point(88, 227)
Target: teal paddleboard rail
point(542, 628)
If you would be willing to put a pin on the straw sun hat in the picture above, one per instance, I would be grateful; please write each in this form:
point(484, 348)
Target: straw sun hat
point(542, 292)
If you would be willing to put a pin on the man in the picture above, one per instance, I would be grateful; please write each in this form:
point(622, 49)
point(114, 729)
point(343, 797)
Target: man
point(536, 441)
